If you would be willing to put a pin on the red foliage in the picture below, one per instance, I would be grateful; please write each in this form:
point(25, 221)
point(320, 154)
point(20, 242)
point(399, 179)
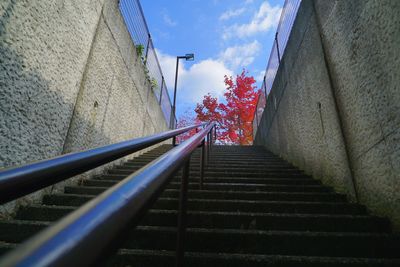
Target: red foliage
point(234, 118)
point(186, 120)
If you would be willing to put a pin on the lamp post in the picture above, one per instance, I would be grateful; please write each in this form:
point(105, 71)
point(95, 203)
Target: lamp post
point(187, 57)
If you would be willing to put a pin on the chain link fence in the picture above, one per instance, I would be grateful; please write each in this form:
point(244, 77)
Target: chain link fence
point(132, 13)
point(285, 25)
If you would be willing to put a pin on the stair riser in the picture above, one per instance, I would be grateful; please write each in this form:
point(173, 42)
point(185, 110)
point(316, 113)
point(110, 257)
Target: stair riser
point(233, 260)
point(274, 196)
point(43, 213)
point(219, 162)
point(267, 196)
point(236, 156)
point(278, 181)
point(171, 204)
point(270, 222)
point(5, 247)
point(255, 243)
point(229, 174)
point(231, 187)
point(271, 207)
point(16, 232)
point(255, 187)
point(262, 169)
point(54, 213)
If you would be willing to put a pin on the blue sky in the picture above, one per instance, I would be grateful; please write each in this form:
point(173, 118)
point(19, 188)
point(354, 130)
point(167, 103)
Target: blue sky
point(225, 36)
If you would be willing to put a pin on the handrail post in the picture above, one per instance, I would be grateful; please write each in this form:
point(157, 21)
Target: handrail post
point(174, 141)
point(208, 148)
point(162, 87)
point(147, 48)
point(202, 162)
point(211, 139)
point(182, 214)
point(277, 47)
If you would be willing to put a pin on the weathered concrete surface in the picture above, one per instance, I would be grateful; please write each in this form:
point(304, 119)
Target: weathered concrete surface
point(44, 47)
point(70, 80)
point(338, 100)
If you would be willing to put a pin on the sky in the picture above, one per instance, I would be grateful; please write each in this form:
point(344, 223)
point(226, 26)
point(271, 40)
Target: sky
point(225, 36)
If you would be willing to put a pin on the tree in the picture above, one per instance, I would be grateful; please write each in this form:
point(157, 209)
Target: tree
point(234, 118)
point(187, 119)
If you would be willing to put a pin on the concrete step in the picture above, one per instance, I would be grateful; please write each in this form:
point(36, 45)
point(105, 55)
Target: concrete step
point(255, 210)
point(223, 161)
point(215, 155)
point(228, 186)
point(223, 166)
point(337, 244)
point(270, 221)
point(244, 195)
point(6, 247)
point(328, 244)
point(43, 212)
point(300, 207)
point(227, 173)
point(162, 258)
point(258, 195)
point(228, 157)
point(242, 180)
point(254, 186)
point(16, 231)
point(210, 173)
point(225, 205)
point(218, 168)
point(60, 205)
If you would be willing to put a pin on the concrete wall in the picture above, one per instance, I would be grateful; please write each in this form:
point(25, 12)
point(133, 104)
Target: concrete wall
point(70, 80)
point(334, 109)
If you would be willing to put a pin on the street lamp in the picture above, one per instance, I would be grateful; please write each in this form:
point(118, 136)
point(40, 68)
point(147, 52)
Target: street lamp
point(187, 57)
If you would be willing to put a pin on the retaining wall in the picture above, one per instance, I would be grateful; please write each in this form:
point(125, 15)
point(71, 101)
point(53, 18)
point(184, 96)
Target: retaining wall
point(70, 80)
point(334, 109)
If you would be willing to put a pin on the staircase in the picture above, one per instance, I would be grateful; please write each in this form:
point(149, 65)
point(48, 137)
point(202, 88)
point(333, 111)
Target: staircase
point(255, 209)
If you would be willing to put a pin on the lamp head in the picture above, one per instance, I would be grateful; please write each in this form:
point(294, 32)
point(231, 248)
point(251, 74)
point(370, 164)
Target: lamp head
point(189, 57)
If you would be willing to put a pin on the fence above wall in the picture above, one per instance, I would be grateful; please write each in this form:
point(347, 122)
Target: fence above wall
point(288, 15)
point(135, 21)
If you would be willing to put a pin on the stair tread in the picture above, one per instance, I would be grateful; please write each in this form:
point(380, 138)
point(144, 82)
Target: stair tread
point(260, 257)
point(267, 232)
point(218, 200)
point(232, 184)
point(229, 231)
point(252, 200)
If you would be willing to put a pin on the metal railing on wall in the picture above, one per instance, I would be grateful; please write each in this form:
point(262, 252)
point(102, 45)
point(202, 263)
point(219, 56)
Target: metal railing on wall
point(86, 235)
point(135, 21)
point(288, 15)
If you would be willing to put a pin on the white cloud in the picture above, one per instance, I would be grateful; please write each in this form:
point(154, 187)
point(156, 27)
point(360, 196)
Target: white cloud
point(260, 76)
point(231, 13)
point(266, 18)
point(247, 2)
point(167, 19)
point(206, 76)
point(168, 65)
point(240, 55)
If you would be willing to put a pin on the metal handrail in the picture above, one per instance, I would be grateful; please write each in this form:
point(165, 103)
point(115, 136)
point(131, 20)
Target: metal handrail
point(20, 181)
point(82, 236)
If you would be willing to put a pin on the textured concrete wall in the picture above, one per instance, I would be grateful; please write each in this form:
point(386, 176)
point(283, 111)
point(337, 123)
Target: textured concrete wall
point(44, 46)
point(334, 109)
point(114, 101)
point(70, 80)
